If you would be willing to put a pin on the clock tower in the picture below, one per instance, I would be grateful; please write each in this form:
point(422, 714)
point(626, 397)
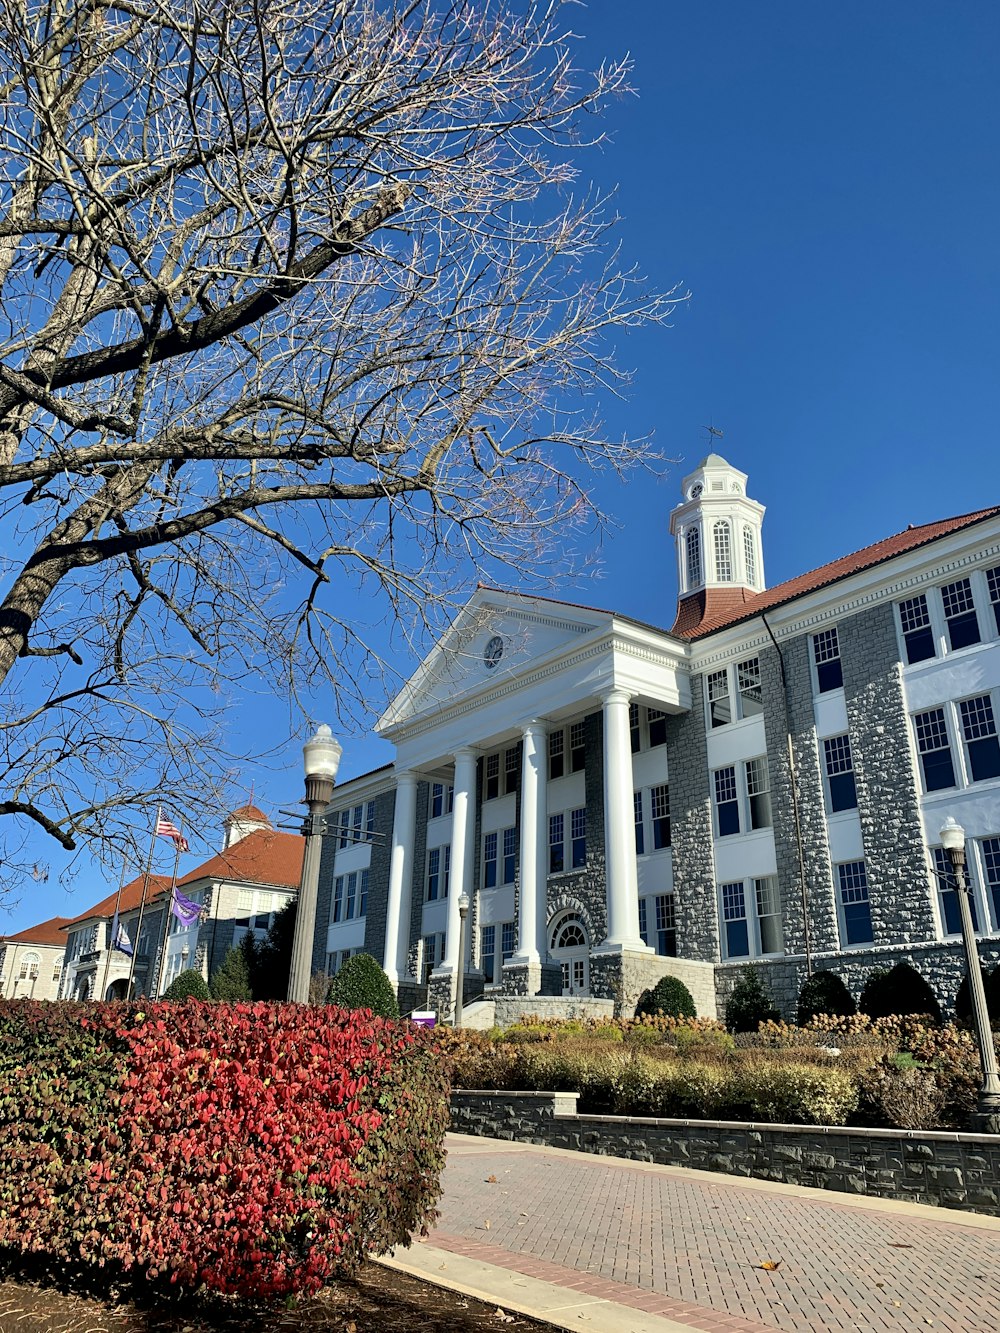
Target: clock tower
point(716, 530)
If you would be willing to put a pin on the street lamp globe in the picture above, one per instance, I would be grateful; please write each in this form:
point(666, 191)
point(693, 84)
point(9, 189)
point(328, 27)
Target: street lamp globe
point(463, 903)
point(321, 754)
point(952, 835)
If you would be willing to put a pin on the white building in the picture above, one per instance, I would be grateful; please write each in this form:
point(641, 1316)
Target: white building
point(31, 961)
point(764, 780)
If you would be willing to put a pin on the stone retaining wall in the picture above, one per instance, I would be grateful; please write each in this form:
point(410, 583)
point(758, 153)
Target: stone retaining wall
point(918, 1166)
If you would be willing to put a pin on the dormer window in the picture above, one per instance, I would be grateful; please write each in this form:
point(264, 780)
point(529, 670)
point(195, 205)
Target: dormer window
point(723, 553)
point(693, 540)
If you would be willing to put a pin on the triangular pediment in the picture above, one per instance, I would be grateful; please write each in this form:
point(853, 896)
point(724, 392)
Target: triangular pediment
point(496, 636)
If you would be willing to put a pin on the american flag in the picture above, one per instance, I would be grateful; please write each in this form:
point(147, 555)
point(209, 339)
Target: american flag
point(166, 829)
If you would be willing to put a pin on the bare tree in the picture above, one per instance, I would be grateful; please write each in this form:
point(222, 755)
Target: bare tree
point(292, 295)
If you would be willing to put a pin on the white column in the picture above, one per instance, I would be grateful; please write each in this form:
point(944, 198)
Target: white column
point(534, 846)
point(463, 832)
point(397, 917)
point(619, 828)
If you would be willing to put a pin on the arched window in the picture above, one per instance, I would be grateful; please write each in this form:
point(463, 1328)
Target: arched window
point(693, 556)
point(723, 553)
point(29, 967)
point(750, 555)
point(570, 933)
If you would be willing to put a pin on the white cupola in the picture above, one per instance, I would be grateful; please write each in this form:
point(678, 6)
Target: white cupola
point(716, 530)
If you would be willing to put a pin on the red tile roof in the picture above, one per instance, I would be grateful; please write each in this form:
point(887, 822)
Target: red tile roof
point(249, 812)
point(262, 857)
point(130, 899)
point(705, 612)
point(48, 932)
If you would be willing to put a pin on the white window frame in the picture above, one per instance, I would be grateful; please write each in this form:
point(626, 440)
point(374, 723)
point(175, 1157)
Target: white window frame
point(742, 798)
point(984, 583)
point(819, 655)
point(825, 741)
point(733, 693)
point(751, 887)
point(838, 893)
point(958, 744)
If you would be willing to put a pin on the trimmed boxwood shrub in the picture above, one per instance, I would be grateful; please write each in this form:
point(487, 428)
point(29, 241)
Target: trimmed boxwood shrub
point(361, 984)
point(899, 991)
point(189, 985)
point(750, 1003)
point(253, 1149)
point(824, 993)
point(669, 997)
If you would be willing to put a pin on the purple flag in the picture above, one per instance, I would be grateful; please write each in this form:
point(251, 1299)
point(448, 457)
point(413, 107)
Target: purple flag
point(186, 912)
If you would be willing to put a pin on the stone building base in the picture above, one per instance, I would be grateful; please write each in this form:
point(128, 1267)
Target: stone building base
point(623, 976)
point(442, 988)
point(531, 979)
point(410, 995)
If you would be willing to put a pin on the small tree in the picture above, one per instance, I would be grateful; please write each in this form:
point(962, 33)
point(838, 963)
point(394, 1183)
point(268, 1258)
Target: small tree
point(899, 991)
point(824, 993)
point(189, 985)
point(273, 958)
point(750, 1004)
point(361, 984)
point(669, 997)
point(231, 979)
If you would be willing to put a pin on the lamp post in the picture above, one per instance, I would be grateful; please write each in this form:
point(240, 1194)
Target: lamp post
point(987, 1115)
point(321, 757)
point(463, 912)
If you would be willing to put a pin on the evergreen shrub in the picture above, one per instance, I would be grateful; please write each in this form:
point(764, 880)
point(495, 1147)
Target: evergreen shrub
point(902, 990)
point(231, 979)
point(669, 997)
point(750, 1003)
point(256, 1150)
point(188, 985)
point(824, 993)
point(361, 984)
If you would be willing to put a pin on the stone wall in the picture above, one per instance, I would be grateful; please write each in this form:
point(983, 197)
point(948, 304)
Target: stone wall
point(917, 1166)
point(378, 875)
point(691, 831)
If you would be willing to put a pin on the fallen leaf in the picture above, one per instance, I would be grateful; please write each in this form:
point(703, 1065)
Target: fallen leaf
point(491, 1180)
point(487, 1224)
point(899, 1245)
point(769, 1265)
point(503, 1316)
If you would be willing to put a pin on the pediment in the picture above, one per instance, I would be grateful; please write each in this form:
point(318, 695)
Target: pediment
point(497, 636)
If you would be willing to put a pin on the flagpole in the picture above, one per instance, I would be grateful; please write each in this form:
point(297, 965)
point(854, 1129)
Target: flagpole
point(142, 907)
point(111, 942)
point(166, 913)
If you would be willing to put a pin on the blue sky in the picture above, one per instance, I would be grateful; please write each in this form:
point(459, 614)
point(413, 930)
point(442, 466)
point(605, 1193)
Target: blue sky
point(824, 179)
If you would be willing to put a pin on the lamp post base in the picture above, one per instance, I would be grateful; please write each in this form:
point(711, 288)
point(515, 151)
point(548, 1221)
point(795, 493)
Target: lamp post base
point(985, 1119)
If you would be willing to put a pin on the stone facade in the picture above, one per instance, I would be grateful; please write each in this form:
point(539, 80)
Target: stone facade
point(916, 1166)
point(691, 832)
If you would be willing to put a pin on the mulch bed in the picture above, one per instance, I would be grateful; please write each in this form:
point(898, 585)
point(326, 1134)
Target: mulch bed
point(380, 1300)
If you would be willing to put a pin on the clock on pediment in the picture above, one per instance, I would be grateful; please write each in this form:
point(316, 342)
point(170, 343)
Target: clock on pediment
point(493, 652)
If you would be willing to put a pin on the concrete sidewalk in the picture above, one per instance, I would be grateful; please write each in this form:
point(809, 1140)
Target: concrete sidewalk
point(605, 1244)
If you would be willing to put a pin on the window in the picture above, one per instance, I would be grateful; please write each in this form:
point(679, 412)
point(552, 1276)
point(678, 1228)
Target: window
point(577, 748)
point(693, 543)
point(960, 614)
point(363, 894)
point(990, 848)
point(350, 899)
point(944, 875)
point(751, 918)
point(993, 584)
point(748, 684)
point(826, 654)
point(442, 800)
point(578, 841)
point(727, 805)
point(508, 941)
point(723, 552)
point(720, 709)
point(635, 734)
point(640, 843)
point(509, 854)
point(338, 898)
point(438, 872)
point(57, 969)
point(555, 843)
point(492, 783)
point(934, 749)
point(255, 909)
point(29, 967)
point(749, 555)
point(511, 769)
point(979, 729)
point(345, 823)
point(336, 960)
point(369, 821)
point(656, 720)
point(557, 757)
point(578, 830)
point(918, 635)
point(644, 923)
point(357, 818)
point(758, 792)
point(840, 773)
point(660, 802)
point(855, 908)
point(433, 954)
point(666, 926)
point(490, 861)
point(488, 951)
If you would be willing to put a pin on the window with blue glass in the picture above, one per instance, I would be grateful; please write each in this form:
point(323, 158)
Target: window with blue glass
point(490, 861)
point(979, 730)
point(951, 918)
point(508, 940)
point(438, 867)
point(509, 855)
point(488, 957)
point(960, 614)
point(660, 804)
point(363, 893)
point(826, 655)
point(556, 854)
point(990, 848)
point(338, 898)
point(840, 773)
point(855, 906)
point(918, 633)
point(736, 927)
point(727, 803)
point(934, 749)
point(640, 842)
point(578, 833)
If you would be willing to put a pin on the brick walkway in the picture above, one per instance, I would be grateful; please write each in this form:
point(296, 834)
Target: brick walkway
point(685, 1245)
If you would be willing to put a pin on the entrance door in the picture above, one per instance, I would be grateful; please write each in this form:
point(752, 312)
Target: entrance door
point(570, 948)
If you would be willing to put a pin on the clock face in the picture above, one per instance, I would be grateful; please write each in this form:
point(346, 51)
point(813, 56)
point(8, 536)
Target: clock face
point(493, 652)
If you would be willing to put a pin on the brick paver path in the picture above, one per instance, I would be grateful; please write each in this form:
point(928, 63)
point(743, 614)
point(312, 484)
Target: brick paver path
point(687, 1246)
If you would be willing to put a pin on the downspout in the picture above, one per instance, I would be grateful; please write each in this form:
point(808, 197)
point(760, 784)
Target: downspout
point(793, 771)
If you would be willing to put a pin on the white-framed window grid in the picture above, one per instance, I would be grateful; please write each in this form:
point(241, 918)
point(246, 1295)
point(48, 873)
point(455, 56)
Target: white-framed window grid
point(741, 797)
point(722, 548)
point(647, 727)
point(838, 768)
point(827, 663)
point(442, 800)
point(853, 904)
point(568, 853)
point(750, 918)
point(354, 824)
point(734, 693)
point(567, 750)
point(432, 948)
point(438, 872)
point(949, 617)
point(658, 923)
point(958, 743)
